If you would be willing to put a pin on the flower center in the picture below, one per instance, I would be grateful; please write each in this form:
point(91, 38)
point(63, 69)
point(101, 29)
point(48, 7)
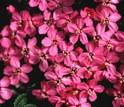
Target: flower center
point(89, 69)
point(25, 51)
point(91, 56)
point(17, 71)
point(79, 31)
point(59, 5)
point(50, 22)
point(118, 96)
point(106, 20)
point(122, 79)
point(91, 91)
point(20, 23)
point(5, 56)
point(31, 23)
point(98, 38)
point(107, 2)
point(78, 105)
point(58, 81)
point(65, 53)
point(74, 70)
point(69, 21)
point(44, 95)
point(42, 56)
point(109, 44)
point(75, 92)
point(107, 63)
point(54, 41)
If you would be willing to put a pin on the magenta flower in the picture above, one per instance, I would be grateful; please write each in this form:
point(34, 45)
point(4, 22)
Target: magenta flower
point(47, 90)
point(87, 14)
point(60, 5)
point(59, 100)
point(42, 4)
point(118, 97)
point(52, 41)
point(77, 31)
point(17, 72)
point(57, 77)
point(78, 102)
point(40, 55)
point(48, 23)
point(90, 89)
point(5, 93)
point(67, 55)
point(4, 40)
point(93, 53)
point(107, 3)
point(108, 18)
point(11, 9)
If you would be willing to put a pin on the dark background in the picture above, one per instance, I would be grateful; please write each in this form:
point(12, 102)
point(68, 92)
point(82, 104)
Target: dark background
point(36, 75)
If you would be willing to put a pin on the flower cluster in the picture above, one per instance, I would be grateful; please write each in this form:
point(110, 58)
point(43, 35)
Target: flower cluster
point(79, 49)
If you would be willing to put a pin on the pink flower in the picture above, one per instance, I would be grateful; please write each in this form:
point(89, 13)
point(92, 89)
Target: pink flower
point(65, 19)
point(11, 9)
point(94, 53)
point(108, 18)
point(77, 31)
point(47, 90)
point(87, 14)
point(90, 89)
point(78, 102)
point(60, 5)
point(67, 55)
point(17, 72)
point(5, 93)
point(48, 23)
point(57, 77)
point(111, 57)
point(42, 4)
point(79, 50)
point(40, 55)
point(53, 40)
point(118, 96)
point(107, 3)
point(120, 78)
point(59, 100)
point(4, 40)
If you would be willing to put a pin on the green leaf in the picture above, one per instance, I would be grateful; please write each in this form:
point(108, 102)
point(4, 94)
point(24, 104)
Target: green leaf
point(30, 105)
point(20, 101)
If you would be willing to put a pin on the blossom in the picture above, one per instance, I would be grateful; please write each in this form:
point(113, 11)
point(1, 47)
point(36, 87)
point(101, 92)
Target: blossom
point(42, 4)
point(5, 92)
point(17, 72)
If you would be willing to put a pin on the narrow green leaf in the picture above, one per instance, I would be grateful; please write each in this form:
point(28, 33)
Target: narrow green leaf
point(30, 105)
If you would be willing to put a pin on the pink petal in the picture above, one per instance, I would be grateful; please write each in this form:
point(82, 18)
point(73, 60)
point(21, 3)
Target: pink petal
point(73, 38)
point(24, 78)
point(113, 26)
point(68, 2)
point(50, 75)
point(5, 42)
point(99, 88)
point(115, 17)
point(53, 50)
point(34, 59)
point(57, 13)
point(43, 29)
point(46, 42)
point(14, 62)
point(66, 80)
point(100, 29)
point(14, 79)
point(8, 70)
point(33, 3)
point(6, 93)
point(59, 57)
point(52, 5)
point(72, 27)
point(26, 68)
point(5, 82)
point(67, 10)
point(43, 65)
point(92, 97)
point(19, 41)
point(68, 61)
point(88, 21)
point(73, 56)
point(32, 42)
point(83, 38)
point(43, 5)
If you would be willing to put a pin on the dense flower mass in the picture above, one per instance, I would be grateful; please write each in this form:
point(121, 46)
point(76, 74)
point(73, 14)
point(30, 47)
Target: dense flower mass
point(78, 50)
